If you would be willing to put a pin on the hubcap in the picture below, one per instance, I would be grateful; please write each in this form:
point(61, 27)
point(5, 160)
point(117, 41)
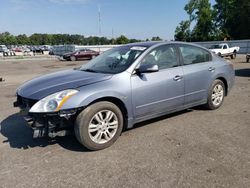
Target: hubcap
point(217, 95)
point(103, 126)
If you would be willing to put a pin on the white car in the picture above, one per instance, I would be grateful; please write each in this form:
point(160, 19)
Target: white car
point(223, 50)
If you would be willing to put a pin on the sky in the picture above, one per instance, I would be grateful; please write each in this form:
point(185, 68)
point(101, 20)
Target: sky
point(138, 19)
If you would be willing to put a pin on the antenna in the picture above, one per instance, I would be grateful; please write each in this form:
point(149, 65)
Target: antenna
point(99, 20)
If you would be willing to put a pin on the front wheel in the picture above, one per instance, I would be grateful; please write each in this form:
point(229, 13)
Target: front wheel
point(99, 125)
point(216, 95)
point(72, 58)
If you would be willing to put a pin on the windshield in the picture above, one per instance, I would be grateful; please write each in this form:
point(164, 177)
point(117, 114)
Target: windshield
point(217, 46)
point(115, 60)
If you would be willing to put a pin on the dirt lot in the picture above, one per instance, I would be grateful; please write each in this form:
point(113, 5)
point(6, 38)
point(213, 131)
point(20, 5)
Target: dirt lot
point(193, 148)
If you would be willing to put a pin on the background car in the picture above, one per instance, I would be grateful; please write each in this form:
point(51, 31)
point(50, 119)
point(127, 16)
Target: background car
point(6, 51)
point(80, 54)
point(223, 50)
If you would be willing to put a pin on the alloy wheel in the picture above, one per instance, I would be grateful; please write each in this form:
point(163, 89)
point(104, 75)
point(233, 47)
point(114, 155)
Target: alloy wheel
point(217, 95)
point(103, 126)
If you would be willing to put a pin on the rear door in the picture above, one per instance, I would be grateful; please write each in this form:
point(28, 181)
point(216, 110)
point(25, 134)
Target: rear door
point(162, 91)
point(198, 69)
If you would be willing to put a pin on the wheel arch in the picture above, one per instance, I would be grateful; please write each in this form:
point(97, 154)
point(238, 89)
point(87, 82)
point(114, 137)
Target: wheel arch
point(119, 103)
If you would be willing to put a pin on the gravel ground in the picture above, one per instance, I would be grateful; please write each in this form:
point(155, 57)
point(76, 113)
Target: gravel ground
point(192, 148)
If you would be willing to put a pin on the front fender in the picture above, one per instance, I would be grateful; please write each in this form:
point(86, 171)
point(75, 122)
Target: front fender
point(117, 88)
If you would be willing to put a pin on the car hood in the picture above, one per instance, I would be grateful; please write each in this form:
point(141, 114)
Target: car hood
point(43, 86)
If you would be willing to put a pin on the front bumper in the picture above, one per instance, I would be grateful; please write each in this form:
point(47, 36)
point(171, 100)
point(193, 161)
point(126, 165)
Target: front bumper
point(47, 124)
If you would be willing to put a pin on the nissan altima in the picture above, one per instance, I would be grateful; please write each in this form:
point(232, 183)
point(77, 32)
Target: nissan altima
point(121, 87)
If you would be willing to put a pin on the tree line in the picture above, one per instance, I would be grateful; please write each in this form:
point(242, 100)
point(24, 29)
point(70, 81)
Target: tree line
point(226, 19)
point(57, 39)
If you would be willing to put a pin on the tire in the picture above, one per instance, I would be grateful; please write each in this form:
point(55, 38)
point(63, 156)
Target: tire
point(96, 137)
point(93, 56)
point(73, 58)
point(247, 60)
point(233, 56)
point(219, 54)
point(215, 100)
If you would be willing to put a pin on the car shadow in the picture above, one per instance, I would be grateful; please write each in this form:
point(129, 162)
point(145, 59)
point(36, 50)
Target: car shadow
point(20, 136)
point(242, 72)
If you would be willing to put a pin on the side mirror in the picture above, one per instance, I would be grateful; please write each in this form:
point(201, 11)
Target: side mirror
point(148, 68)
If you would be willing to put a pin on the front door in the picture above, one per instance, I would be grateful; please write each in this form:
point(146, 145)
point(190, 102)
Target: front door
point(162, 91)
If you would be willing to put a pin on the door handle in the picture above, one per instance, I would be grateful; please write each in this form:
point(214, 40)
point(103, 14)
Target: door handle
point(177, 78)
point(211, 69)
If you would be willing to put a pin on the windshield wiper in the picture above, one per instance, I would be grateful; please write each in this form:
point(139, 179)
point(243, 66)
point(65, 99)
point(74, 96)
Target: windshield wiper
point(89, 70)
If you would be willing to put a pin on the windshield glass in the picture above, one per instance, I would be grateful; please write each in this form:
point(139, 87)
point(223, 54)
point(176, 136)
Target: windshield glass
point(115, 60)
point(217, 46)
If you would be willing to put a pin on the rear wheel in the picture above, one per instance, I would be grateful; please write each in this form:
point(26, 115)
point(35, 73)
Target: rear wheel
point(216, 95)
point(233, 56)
point(99, 125)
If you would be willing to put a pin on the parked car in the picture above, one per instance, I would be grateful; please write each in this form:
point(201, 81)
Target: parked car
point(248, 57)
point(17, 49)
point(124, 86)
point(4, 50)
point(80, 54)
point(223, 50)
point(36, 50)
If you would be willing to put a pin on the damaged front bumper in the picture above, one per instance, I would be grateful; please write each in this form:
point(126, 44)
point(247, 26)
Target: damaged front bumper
point(47, 124)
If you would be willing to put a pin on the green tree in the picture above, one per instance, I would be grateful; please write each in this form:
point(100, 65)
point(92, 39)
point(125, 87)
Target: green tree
point(156, 39)
point(233, 18)
point(201, 13)
point(223, 16)
point(182, 32)
point(7, 39)
point(122, 40)
point(22, 39)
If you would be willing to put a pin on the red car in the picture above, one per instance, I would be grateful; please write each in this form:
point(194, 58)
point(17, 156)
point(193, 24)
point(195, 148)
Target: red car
point(80, 54)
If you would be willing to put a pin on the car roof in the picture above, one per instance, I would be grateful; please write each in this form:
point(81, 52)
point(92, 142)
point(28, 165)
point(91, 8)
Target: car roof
point(154, 43)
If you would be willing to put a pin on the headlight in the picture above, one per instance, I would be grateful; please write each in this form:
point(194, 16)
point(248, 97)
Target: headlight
point(54, 102)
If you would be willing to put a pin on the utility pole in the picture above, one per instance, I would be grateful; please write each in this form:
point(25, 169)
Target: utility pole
point(113, 35)
point(99, 21)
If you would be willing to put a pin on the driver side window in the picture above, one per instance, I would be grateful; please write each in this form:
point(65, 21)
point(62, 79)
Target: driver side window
point(163, 56)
